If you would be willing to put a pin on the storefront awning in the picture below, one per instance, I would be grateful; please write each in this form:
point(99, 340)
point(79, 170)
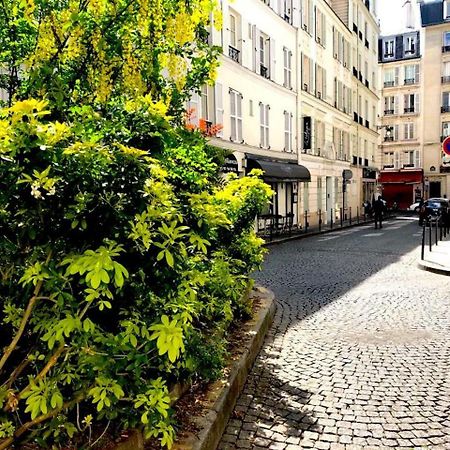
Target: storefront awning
point(401, 177)
point(276, 171)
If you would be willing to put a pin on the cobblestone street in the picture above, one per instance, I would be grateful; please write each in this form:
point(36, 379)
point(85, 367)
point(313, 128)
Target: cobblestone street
point(358, 356)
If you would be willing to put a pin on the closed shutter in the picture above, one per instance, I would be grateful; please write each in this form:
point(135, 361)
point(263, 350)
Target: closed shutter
point(417, 73)
point(396, 134)
point(417, 158)
point(255, 55)
point(296, 13)
point(218, 96)
point(396, 76)
point(396, 160)
point(311, 77)
point(417, 103)
point(396, 104)
point(272, 58)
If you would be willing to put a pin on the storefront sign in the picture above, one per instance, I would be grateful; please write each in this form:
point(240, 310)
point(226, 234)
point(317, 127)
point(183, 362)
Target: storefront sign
point(369, 174)
point(307, 133)
point(230, 165)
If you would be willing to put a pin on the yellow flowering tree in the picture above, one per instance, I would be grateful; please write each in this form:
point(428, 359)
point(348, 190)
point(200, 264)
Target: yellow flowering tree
point(92, 51)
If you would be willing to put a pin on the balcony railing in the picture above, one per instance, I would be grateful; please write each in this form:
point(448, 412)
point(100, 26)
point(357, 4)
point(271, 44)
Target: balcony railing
point(388, 166)
point(389, 83)
point(233, 53)
point(445, 109)
point(355, 117)
point(388, 112)
point(264, 71)
point(367, 124)
point(410, 81)
point(367, 84)
point(366, 43)
point(445, 79)
point(389, 139)
point(361, 120)
point(409, 110)
point(355, 72)
point(446, 49)
point(360, 77)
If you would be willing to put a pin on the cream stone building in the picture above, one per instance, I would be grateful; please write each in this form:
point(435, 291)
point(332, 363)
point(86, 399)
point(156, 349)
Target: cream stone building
point(297, 96)
point(401, 140)
point(436, 91)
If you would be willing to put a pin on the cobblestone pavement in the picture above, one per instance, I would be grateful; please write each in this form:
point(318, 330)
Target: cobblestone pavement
point(358, 356)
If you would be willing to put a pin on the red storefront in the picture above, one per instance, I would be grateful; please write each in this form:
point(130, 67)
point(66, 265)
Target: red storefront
point(401, 186)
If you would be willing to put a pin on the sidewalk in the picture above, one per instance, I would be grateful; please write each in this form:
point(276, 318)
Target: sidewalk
point(438, 260)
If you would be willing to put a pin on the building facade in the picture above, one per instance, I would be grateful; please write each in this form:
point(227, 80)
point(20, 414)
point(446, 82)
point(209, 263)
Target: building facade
point(296, 95)
point(401, 139)
point(435, 18)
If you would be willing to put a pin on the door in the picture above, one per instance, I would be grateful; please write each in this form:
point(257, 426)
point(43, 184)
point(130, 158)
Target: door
point(329, 197)
point(435, 189)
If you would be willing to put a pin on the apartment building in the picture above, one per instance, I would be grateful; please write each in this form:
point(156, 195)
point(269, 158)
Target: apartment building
point(401, 139)
point(296, 94)
point(435, 18)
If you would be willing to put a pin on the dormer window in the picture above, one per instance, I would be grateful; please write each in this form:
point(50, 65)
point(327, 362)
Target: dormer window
point(389, 49)
point(410, 45)
point(447, 10)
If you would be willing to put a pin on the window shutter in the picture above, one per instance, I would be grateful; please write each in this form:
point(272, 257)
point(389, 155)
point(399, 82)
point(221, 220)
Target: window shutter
point(255, 49)
point(397, 74)
point(416, 103)
point(416, 158)
point(417, 73)
point(396, 104)
point(324, 30)
point(193, 110)
point(239, 116)
point(272, 58)
point(218, 96)
point(396, 160)
point(296, 13)
point(311, 77)
point(395, 132)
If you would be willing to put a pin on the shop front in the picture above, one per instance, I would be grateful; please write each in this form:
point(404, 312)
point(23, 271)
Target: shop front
point(402, 187)
point(284, 178)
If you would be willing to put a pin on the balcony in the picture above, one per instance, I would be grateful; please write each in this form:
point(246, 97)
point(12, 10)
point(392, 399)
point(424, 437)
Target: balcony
point(445, 79)
point(234, 53)
point(446, 49)
point(389, 83)
point(445, 109)
point(355, 117)
point(367, 124)
point(388, 166)
point(409, 110)
point(355, 72)
point(361, 120)
point(410, 81)
point(360, 77)
point(389, 139)
point(388, 112)
point(264, 71)
point(410, 51)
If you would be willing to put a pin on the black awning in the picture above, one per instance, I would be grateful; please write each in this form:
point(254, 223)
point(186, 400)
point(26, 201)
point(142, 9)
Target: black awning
point(279, 171)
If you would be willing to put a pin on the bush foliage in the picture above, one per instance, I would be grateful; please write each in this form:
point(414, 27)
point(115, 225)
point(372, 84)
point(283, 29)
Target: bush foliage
point(123, 254)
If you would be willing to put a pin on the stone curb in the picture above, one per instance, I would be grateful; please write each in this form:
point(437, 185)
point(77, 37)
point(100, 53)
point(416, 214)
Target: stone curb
point(223, 395)
point(430, 267)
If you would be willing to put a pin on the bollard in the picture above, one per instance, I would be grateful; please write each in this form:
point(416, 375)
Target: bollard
point(350, 214)
point(423, 242)
point(357, 214)
point(306, 221)
point(320, 220)
point(430, 242)
point(435, 232)
point(342, 217)
point(331, 223)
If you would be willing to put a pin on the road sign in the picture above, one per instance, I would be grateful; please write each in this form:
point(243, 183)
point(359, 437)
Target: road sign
point(446, 146)
point(348, 174)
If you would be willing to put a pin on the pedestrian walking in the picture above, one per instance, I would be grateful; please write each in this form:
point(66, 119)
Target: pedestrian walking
point(378, 208)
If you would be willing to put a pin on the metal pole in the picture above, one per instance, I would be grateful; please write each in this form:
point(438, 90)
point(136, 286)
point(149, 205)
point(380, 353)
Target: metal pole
point(350, 214)
point(430, 242)
point(357, 214)
point(342, 216)
point(320, 220)
point(331, 223)
point(306, 221)
point(423, 242)
point(435, 232)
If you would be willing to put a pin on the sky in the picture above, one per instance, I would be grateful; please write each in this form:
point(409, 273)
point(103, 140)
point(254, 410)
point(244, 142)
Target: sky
point(392, 16)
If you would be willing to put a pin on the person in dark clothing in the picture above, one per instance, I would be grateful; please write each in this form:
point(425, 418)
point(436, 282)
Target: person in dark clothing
point(378, 208)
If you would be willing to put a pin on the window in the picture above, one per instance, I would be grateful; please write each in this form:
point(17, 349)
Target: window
point(445, 130)
point(409, 131)
point(412, 74)
point(388, 49)
point(236, 116)
point(446, 72)
point(408, 158)
point(234, 30)
point(287, 60)
point(307, 74)
point(288, 132)
point(391, 77)
point(446, 43)
point(445, 102)
point(264, 125)
point(411, 103)
point(388, 160)
point(287, 10)
point(233, 38)
point(410, 45)
point(320, 26)
point(446, 9)
point(307, 15)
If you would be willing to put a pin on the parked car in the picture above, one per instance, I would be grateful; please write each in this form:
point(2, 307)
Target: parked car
point(415, 206)
point(434, 207)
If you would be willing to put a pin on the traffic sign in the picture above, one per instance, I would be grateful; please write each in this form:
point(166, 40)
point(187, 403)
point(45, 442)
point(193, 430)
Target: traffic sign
point(446, 146)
